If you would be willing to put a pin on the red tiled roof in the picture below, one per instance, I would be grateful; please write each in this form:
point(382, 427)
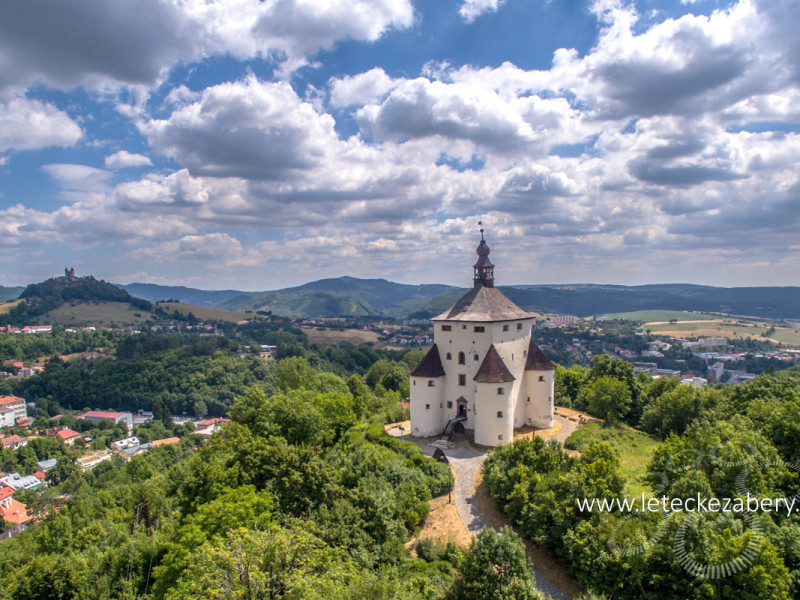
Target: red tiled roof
point(67, 434)
point(493, 369)
point(214, 421)
point(6, 491)
point(40, 475)
point(10, 400)
point(166, 441)
point(12, 439)
point(12, 511)
point(101, 414)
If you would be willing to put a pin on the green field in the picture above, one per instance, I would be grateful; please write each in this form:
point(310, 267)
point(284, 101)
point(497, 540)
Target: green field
point(97, 314)
point(7, 306)
point(635, 448)
point(725, 329)
point(204, 313)
point(654, 316)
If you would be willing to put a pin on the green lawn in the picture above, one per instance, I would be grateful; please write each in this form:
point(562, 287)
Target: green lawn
point(635, 448)
point(660, 315)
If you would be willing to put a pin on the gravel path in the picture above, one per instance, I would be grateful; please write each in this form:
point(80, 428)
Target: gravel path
point(467, 462)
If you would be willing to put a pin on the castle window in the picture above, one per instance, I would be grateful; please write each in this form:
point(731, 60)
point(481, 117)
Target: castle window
point(449, 404)
point(476, 357)
point(499, 414)
point(524, 353)
point(446, 328)
point(529, 398)
point(500, 437)
point(519, 325)
point(541, 377)
point(431, 383)
point(501, 391)
point(449, 356)
point(413, 382)
point(461, 358)
point(512, 357)
point(427, 407)
point(479, 328)
point(505, 327)
point(462, 380)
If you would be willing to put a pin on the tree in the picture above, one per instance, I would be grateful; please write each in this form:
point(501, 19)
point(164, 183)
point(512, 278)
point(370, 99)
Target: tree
point(253, 565)
point(495, 567)
point(608, 399)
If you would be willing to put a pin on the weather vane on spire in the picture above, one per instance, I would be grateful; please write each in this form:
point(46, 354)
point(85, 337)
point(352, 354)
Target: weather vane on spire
point(481, 224)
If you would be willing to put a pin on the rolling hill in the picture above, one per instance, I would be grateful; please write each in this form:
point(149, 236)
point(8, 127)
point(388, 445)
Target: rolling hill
point(350, 296)
point(343, 296)
point(353, 297)
point(158, 293)
point(9, 293)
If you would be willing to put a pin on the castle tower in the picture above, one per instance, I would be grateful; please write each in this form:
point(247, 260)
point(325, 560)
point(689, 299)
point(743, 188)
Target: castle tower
point(484, 371)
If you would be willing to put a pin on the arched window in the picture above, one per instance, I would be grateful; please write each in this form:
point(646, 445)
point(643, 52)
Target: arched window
point(462, 359)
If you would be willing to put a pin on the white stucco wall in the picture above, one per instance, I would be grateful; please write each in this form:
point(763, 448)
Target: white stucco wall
point(483, 401)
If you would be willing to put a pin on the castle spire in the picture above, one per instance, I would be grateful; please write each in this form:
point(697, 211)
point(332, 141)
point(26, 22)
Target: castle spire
point(484, 269)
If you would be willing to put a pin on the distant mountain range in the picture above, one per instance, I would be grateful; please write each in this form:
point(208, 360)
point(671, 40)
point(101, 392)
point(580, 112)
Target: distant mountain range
point(10, 293)
point(349, 296)
point(352, 297)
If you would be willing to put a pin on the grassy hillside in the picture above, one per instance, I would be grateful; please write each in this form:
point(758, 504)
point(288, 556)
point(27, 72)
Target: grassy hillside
point(39, 300)
point(204, 313)
point(635, 449)
point(97, 314)
point(660, 316)
point(5, 307)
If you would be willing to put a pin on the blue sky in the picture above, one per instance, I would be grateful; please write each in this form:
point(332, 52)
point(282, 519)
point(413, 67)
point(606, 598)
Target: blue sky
point(257, 145)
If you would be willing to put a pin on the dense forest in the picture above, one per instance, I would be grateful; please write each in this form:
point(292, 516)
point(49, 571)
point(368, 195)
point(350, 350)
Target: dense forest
point(718, 443)
point(301, 495)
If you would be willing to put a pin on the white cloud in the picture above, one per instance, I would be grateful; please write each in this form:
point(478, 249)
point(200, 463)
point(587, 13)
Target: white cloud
point(101, 44)
point(27, 124)
point(360, 89)
point(124, 159)
point(472, 9)
point(249, 129)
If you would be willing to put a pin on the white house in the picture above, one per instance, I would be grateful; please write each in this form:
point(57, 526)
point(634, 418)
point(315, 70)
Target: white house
point(483, 373)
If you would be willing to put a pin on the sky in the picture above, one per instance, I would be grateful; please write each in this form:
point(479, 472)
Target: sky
point(257, 145)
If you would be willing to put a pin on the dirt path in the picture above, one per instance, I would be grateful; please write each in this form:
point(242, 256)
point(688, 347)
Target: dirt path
point(477, 509)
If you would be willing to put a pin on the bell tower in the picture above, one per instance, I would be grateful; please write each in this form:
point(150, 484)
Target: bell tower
point(484, 269)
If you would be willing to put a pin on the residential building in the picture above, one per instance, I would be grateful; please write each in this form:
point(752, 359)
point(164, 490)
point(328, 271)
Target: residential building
point(14, 512)
point(483, 373)
point(14, 442)
point(95, 416)
point(7, 417)
point(17, 482)
point(16, 404)
point(126, 443)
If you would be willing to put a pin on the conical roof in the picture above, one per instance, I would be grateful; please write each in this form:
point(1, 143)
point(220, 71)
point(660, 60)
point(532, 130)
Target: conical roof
point(493, 369)
point(537, 360)
point(430, 366)
point(483, 303)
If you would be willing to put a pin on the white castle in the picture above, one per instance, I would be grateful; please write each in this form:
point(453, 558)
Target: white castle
point(484, 373)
